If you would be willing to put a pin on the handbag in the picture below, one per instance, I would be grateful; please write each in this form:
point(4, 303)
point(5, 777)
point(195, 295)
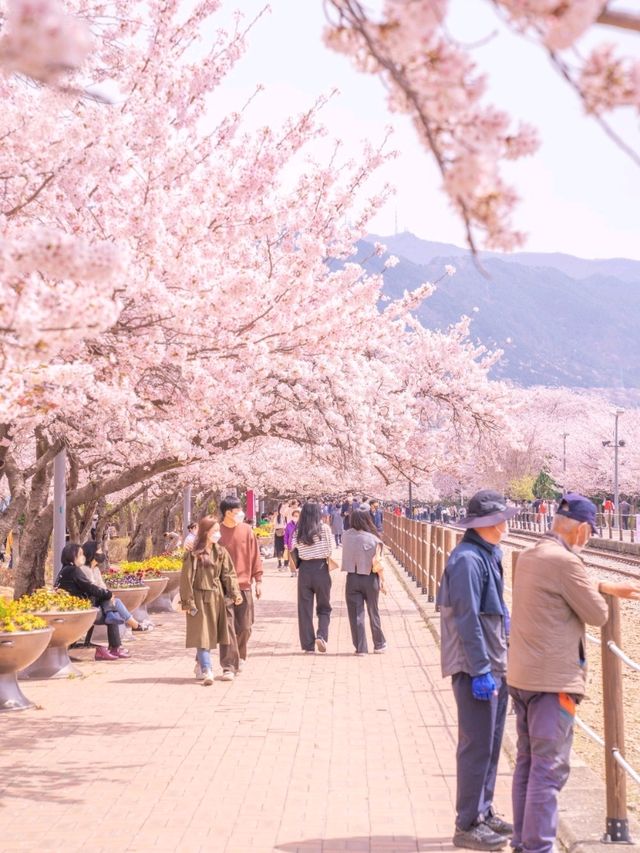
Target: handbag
point(294, 559)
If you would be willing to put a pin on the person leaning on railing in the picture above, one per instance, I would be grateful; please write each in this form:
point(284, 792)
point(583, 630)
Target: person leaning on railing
point(554, 597)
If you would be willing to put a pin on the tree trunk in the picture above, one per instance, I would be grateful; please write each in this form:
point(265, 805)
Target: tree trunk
point(30, 565)
point(151, 521)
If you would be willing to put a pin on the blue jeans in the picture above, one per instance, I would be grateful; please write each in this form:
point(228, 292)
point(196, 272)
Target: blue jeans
point(545, 733)
point(122, 610)
point(203, 656)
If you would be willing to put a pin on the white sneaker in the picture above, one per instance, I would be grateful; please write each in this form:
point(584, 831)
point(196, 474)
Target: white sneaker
point(381, 650)
point(228, 675)
point(207, 678)
point(198, 671)
point(321, 645)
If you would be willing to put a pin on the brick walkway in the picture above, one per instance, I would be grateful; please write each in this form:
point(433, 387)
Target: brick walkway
point(302, 753)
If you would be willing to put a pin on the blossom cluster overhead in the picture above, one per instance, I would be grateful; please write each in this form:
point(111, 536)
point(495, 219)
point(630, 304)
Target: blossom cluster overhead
point(436, 81)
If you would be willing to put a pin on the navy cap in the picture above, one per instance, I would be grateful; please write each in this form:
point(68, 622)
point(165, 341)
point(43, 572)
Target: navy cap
point(579, 508)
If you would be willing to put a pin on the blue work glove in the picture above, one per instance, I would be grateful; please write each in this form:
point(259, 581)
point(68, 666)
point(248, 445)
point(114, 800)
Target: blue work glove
point(483, 686)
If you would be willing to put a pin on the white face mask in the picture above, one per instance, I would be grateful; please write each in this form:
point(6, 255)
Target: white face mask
point(239, 517)
point(215, 537)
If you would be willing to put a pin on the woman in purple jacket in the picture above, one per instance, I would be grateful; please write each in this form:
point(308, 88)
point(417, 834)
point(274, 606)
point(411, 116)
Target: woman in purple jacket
point(288, 534)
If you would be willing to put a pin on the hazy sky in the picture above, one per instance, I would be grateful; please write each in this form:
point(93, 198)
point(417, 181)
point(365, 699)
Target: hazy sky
point(580, 193)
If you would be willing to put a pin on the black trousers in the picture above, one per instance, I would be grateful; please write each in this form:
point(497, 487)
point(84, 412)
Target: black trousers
point(480, 730)
point(314, 582)
point(361, 590)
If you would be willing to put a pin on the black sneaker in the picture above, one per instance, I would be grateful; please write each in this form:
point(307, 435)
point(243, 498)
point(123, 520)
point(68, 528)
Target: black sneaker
point(479, 837)
point(499, 826)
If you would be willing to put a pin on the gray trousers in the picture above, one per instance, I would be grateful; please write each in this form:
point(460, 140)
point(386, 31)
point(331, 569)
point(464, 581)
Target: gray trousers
point(545, 734)
point(314, 581)
point(361, 590)
point(239, 622)
point(480, 730)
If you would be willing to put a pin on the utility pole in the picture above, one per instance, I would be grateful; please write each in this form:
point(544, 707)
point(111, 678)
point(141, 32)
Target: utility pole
point(59, 509)
point(186, 510)
point(564, 462)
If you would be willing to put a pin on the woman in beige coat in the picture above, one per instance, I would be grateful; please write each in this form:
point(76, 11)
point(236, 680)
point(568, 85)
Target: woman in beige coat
point(207, 575)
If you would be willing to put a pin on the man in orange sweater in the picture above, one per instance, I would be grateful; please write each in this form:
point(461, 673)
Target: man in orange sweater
point(240, 541)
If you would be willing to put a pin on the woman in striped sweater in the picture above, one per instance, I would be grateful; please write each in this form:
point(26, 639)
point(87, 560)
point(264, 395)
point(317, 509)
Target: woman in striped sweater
point(314, 542)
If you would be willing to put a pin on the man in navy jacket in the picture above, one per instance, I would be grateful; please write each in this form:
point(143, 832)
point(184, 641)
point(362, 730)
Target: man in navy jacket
point(474, 630)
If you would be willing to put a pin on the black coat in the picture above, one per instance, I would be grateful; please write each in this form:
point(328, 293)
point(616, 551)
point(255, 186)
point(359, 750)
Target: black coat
point(74, 581)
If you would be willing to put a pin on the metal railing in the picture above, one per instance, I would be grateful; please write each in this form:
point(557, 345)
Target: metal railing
point(625, 528)
point(422, 549)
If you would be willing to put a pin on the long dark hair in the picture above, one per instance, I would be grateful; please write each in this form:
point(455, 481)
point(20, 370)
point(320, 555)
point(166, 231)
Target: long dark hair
point(204, 526)
point(91, 552)
point(361, 520)
point(69, 553)
point(309, 528)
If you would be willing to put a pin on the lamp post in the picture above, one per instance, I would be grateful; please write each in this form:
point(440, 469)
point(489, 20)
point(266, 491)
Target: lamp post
point(564, 462)
point(616, 445)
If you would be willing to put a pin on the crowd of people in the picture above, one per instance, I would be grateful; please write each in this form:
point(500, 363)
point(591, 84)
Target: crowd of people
point(222, 564)
point(535, 655)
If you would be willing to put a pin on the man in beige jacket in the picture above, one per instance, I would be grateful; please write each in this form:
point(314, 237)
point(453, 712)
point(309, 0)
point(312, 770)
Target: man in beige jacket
point(554, 596)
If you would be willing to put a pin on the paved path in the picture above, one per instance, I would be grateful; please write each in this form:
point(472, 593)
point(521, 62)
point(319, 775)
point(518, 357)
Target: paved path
point(302, 753)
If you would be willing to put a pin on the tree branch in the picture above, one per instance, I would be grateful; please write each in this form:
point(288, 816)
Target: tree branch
point(622, 20)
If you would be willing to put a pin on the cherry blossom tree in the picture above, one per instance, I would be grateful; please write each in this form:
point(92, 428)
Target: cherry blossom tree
point(170, 309)
point(435, 80)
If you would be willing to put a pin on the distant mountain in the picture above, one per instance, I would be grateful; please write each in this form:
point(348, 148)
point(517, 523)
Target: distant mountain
point(420, 251)
point(560, 320)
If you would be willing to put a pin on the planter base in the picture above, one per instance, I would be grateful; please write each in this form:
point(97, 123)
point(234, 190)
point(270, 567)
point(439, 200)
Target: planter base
point(141, 614)
point(53, 663)
point(164, 603)
point(11, 697)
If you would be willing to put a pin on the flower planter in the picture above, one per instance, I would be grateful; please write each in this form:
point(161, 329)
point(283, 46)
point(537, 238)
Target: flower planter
point(17, 650)
point(131, 597)
point(164, 602)
point(156, 588)
point(68, 626)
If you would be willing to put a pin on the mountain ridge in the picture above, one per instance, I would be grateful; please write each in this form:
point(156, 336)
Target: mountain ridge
point(555, 328)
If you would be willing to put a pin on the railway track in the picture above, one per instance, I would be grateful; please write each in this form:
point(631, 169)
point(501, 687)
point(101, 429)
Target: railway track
point(595, 558)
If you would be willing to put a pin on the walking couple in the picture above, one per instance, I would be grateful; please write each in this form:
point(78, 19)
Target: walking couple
point(361, 546)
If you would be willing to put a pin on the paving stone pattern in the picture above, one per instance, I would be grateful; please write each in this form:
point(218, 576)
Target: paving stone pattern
point(301, 753)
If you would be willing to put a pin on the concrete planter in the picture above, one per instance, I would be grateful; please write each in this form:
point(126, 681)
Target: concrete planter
point(17, 650)
point(68, 626)
point(156, 588)
point(165, 601)
point(131, 597)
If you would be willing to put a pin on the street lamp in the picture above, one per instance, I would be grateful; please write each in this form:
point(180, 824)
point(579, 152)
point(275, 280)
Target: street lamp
point(616, 444)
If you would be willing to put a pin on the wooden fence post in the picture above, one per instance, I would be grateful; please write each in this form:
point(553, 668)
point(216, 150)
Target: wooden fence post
point(431, 562)
point(617, 822)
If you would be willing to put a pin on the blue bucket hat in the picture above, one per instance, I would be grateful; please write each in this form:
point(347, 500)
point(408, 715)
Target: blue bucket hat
point(487, 508)
point(578, 508)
